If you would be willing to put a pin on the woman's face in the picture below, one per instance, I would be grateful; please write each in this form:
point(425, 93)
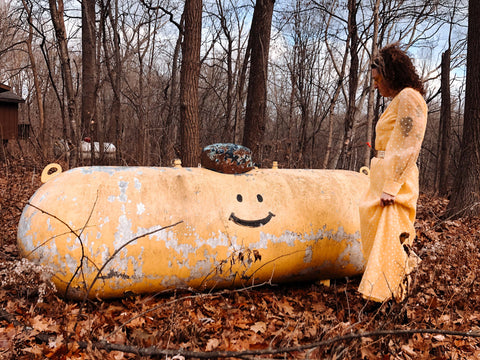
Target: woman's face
point(381, 84)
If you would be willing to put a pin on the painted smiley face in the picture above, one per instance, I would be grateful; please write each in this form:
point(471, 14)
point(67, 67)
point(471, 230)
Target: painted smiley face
point(251, 223)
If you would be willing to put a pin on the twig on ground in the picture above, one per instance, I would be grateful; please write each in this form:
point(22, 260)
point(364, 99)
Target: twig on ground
point(154, 351)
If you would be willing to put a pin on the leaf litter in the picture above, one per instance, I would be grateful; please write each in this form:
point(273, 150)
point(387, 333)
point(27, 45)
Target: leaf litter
point(308, 321)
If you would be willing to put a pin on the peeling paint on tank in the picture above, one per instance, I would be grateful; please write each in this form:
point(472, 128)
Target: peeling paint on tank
point(201, 268)
point(172, 281)
point(137, 184)
point(140, 208)
point(70, 263)
point(215, 240)
point(308, 255)
point(123, 186)
point(26, 235)
point(49, 225)
point(43, 197)
point(288, 237)
point(352, 255)
point(124, 231)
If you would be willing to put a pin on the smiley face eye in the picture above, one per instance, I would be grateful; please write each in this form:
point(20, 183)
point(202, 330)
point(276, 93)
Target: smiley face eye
point(259, 198)
point(239, 198)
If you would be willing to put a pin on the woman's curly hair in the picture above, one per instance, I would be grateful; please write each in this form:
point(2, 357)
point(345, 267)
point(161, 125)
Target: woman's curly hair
point(397, 68)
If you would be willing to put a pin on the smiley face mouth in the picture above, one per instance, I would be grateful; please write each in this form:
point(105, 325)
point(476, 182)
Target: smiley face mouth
point(251, 223)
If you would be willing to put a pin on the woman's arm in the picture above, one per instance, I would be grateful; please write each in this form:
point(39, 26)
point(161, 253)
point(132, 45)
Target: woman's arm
point(405, 142)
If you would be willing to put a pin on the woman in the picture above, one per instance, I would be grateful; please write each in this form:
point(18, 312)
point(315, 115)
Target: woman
point(387, 212)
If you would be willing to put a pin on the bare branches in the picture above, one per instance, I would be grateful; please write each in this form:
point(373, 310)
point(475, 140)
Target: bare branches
point(168, 12)
point(247, 354)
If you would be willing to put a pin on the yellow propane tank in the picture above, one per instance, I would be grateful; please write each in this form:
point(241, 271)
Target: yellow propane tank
point(106, 231)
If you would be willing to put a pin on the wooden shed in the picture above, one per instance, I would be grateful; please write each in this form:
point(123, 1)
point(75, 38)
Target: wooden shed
point(9, 127)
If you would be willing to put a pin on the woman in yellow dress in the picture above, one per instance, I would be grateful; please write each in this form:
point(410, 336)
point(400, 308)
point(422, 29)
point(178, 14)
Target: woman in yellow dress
point(387, 212)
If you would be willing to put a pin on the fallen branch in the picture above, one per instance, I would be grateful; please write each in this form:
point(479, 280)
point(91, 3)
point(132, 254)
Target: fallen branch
point(4, 315)
point(154, 351)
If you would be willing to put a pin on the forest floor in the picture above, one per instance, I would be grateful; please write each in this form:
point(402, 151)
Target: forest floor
point(440, 319)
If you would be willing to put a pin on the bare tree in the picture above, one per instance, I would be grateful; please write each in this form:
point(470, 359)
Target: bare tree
point(340, 71)
point(445, 127)
point(445, 124)
point(168, 140)
point(465, 199)
point(109, 24)
point(371, 90)
point(259, 42)
point(352, 85)
point(57, 12)
point(36, 76)
point(89, 69)
point(189, 76)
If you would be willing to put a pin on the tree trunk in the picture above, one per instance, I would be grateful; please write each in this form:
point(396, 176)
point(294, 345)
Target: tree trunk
point(255, 116)
point(115, 70)
point(169, 136)
point(89, 79)
point(189, 77)
point(371, 90)
point(228, 128)
point(445, 124)
point(331, 108)
point(240, 93)
point(36, 81)
point(352, 87)
point(465, 200)
point(56, 11)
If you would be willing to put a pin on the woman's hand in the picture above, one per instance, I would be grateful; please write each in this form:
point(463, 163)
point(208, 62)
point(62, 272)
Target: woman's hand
point(387, 199)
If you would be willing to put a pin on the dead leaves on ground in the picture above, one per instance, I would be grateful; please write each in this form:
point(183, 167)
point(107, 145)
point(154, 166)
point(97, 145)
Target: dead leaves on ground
point(35, 323)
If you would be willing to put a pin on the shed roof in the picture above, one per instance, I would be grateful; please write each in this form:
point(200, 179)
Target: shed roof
point(6, 96)
point(4, 88)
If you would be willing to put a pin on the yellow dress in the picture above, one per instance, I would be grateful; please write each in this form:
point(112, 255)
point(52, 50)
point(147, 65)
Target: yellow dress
point(385, 230)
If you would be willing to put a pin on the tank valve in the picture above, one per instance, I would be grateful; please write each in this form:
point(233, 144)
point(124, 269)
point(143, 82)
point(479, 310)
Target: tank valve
point(177, 163)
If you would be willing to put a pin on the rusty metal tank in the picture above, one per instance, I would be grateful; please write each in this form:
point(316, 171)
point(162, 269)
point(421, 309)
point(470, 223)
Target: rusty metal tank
point(107, 231)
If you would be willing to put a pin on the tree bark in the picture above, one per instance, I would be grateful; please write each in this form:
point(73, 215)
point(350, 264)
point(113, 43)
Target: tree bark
point(445, 125)
point(36, 81)
point(352, 86)
point(371, 90)
point(465, 200)
point(240, 93)
point(56, 11)
point(115, 70)
point(255, 116)
point(338, 89)
point(189, 77)
point(89, 78)
point(169, 142)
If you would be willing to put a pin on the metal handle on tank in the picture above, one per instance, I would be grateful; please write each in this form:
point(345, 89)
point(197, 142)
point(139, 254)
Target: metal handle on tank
point(47, 175)
point(364, 170)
